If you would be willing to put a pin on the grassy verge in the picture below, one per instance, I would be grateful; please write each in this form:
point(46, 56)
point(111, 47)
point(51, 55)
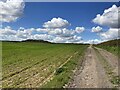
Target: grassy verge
point(113, 49)
point(112, 46)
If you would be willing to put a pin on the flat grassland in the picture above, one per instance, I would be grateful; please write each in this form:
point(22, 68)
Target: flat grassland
point(34, 64)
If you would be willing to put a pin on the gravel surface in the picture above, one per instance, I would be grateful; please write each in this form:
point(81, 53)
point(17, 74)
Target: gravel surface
point(111, 59)
point(91, 74)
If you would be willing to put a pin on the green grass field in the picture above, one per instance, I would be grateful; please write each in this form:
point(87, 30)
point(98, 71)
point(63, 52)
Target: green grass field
point(30, 64)
point(112, 46)
point(112, 49)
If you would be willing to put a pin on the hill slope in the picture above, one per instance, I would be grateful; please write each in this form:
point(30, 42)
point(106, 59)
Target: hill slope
point(112, 46)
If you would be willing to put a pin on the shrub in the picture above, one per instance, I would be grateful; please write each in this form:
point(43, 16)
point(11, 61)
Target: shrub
point(59, 70)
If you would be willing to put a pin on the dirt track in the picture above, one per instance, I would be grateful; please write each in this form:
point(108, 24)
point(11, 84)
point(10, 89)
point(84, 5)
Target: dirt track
point(111, 59)
point(92, 74)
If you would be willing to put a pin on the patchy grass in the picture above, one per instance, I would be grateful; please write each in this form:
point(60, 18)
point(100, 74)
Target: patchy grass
point(116, 80)
point(113, 49)
point(112, 46)
point(28, 64)
point(64, 74)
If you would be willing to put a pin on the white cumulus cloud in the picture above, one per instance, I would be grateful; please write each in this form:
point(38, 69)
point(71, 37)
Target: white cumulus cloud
point(109, 17)
point(67, 33)
point(93, 41)
point(45, 37)
point(96, 29)
point(53, 35)
point(7, 31)
point(112, 33)
point(56, 31)
point(53, 31)
point(56, 23)
point(79, 29)
point(11, 10)
point(72, 39)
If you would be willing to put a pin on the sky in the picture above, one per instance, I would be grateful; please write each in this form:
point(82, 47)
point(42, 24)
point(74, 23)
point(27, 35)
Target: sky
point(59, 22)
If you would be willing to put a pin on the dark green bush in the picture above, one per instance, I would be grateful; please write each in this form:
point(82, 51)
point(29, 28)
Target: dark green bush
point(59, 70)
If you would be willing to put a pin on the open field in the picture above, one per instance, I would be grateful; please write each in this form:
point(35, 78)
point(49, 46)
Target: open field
point(33, 64)
point(39, 64)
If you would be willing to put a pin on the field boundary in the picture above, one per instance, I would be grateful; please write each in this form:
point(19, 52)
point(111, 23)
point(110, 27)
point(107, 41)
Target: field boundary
point(80, 67)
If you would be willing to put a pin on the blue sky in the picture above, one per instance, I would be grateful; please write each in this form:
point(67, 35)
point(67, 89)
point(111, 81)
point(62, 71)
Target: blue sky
point(80, 14)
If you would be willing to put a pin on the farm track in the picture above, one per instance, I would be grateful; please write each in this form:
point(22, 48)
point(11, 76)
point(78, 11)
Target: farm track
point(111, 59)
point(92, 74)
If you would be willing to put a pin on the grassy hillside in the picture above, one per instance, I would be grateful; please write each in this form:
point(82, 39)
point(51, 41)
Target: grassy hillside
point(30, 64)
point(112, 46)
